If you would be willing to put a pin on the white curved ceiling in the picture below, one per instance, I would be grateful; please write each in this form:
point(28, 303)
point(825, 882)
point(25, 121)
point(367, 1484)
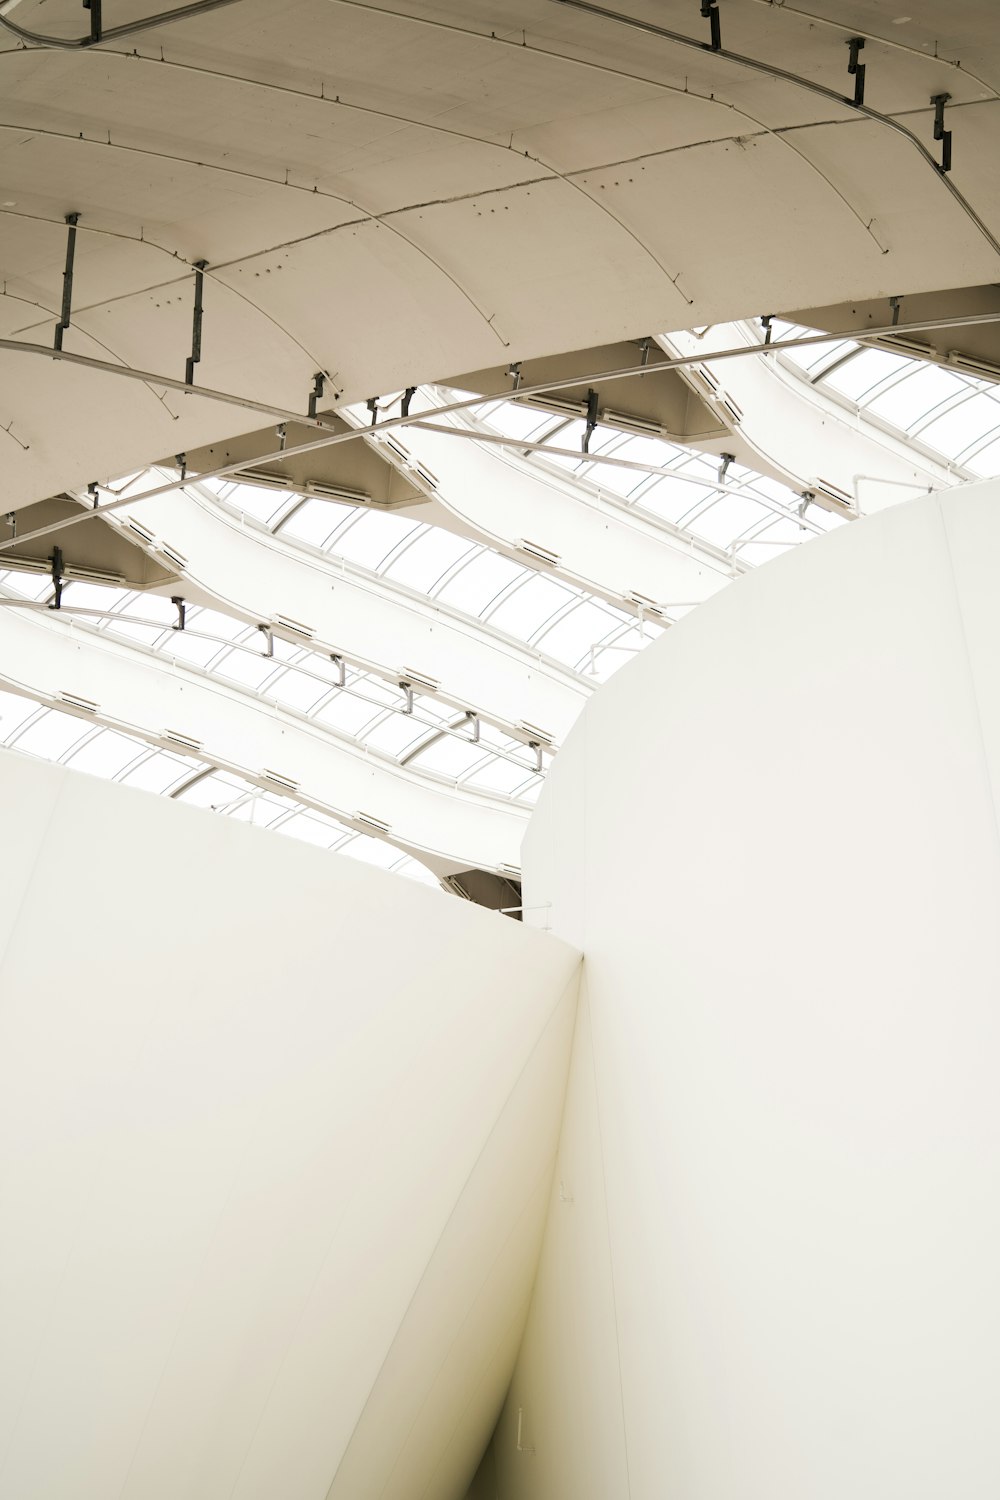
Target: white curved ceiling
point(389, 194)
point(386, 194)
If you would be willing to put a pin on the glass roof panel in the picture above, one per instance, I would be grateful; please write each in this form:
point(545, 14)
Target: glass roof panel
point(51, 735)
point(106, 753)
point(473, 586)
point(425, 561)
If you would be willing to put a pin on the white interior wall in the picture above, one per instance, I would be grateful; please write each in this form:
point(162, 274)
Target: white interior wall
point(275, 1138)
point(775, 837)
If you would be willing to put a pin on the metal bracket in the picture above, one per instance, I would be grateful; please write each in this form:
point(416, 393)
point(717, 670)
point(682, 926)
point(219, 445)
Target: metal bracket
point(894, 303)
point(408, 395)
point(765, 323)
point(319, 381)
point(940, 134)
point(591, 420)
point(534, 745)
point(181, 460)
point(94, 6)
point(372, 405)
point(57, 577)
point(92, 492)
point(268, 635)
point(727, 459)
point(72, 220)
point(710, 12)
point(474, 719)
point(515, 371)
point(199, 292)
point(408, 691)
point(339, 661)
point(181, 607)
point(857, 69)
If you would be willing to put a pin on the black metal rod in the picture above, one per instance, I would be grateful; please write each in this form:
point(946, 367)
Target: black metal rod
point(181, 608)
point(72, 220)
point(199, 289)
point(96, 31)
point(317, 391)
point(940, 134)
point(591, 420)
point(57, 577)
point(857, 69)
point(408, 395)
point(710, 11)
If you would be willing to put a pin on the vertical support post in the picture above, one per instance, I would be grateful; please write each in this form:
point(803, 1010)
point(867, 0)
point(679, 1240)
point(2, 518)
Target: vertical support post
point(319, 382)
point(372, 405)
point(72, 220)
point(57, 577)
point(765, 323)
point(857, 69)
point(94, 6)
point(591, 420)
point(181, 608)
point(408, 395)
point(940, 134)
point(199, 290)
point(710, 11)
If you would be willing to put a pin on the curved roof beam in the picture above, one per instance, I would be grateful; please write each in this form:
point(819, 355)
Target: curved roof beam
point(526, 511)
point(336, 609)
point(797, 434)
point(429, 228)
point(165, 703)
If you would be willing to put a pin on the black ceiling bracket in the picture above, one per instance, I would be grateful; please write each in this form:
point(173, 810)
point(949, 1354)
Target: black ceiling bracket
point(591, 420)
point(895, 303)
point(94, 6)
point(199, 291)
point(181, 608)
point(57, 577)
point(408, 693)
point(940, 134)
point(727, 459)
point(372, 405)
point(765, 323)
point(72, 220)
point(408, 395)
point(181, 460)
point(710, 11)
point(857, 69)
point(515, 371)
point(319, 381)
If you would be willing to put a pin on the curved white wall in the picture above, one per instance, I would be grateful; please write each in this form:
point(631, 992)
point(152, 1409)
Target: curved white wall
point(770, 1268)
point(276, 1134)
